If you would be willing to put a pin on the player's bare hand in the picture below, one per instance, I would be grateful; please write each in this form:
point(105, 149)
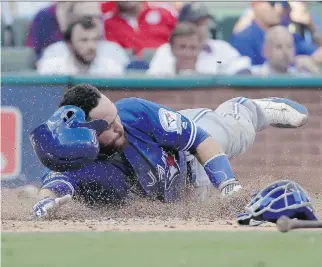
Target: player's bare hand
point(49, 205)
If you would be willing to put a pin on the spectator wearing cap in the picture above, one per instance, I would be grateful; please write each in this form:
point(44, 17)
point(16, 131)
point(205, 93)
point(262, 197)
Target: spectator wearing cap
point(215, 56)
point(50, 23)
point(279, 52)
point(249, 42)
point(137, 25)
point(82, 37)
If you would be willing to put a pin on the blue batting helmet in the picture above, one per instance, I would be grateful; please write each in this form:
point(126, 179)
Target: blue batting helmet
point(277, 199)
point(66, 141)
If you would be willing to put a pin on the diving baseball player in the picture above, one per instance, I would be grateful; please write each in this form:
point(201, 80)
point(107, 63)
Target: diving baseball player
point(103, 152)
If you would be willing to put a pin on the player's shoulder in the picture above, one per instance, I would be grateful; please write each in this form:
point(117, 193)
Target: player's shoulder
point(132, 111)
point(129, 105)
point(133, 104)
point(127, 102)
point(133, 100)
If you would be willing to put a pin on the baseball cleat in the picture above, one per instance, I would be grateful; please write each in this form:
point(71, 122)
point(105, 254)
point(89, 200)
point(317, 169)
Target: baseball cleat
point(283, 112)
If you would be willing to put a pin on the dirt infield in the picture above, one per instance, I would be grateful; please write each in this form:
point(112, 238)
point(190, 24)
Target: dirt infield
point(143, 225)
point(139, 215)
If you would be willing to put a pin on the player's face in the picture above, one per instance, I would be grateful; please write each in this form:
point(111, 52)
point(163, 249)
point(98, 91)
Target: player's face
point(114, 137)
point(84, 43)
point(186, 50)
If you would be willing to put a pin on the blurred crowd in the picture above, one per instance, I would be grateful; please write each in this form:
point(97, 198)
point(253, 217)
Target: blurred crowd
point(164, 39)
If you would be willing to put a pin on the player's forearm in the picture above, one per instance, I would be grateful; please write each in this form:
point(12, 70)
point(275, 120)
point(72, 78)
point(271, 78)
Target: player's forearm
point(215, 163)
point(217, 166)
point(207, 149)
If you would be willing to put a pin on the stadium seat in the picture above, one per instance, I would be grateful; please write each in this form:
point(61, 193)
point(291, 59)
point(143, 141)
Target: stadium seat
point(225, 27)
point(137, 65)
point(148, 54)
point(129, 52)
point(20, 29)
point(16, 59)
point(2, 32)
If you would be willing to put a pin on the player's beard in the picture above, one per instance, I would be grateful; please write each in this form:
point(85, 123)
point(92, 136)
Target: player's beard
point(110, 149)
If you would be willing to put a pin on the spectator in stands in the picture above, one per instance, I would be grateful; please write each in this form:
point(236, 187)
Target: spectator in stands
point(137, 25)
point(50, 23)
point(215, 57)
point(279, 51)
point(105, 48)
point(109, 7)
point(185, 45)
point(296, 16)
point(82, 37)
point(249, 42)
point(305, 22)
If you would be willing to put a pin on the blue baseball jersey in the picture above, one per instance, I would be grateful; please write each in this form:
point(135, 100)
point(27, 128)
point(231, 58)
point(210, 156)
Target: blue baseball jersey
point(152, 165)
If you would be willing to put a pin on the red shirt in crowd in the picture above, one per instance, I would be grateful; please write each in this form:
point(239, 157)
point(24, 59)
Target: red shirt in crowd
point(152, 28)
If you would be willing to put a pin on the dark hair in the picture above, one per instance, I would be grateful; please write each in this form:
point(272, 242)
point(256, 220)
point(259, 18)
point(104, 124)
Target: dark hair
point(86, 22)
point(193, 12)
point(183, 29)
point(84, 96)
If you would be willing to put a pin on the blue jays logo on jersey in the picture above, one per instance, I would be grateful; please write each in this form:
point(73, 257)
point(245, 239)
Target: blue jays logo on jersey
point(170, 121)
point(166, 173)
point(171, 170)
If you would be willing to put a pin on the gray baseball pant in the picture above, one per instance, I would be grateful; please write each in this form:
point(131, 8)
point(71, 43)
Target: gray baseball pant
point(233, 125)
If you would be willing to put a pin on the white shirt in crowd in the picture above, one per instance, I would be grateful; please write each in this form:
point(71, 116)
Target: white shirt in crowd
point(265, 70)
point(218, 57)
point(105, 49)
point(65, 65)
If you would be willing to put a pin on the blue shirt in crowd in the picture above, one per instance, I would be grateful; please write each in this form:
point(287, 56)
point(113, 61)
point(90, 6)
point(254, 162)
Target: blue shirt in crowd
point(249, 42)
